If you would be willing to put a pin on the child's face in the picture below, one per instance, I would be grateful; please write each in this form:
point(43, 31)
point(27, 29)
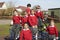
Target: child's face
point(25, 26)
point(32, 12)
point(52, 23)
point(15, 13)
point(25, 13)
point(38, 9)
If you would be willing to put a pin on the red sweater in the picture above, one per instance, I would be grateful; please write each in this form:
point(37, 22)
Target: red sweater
point(39, 14)
point(26, 35)
point(24, 19)
point(16, 19)
point(52, 30)
point(28, 11)
point(32, 19)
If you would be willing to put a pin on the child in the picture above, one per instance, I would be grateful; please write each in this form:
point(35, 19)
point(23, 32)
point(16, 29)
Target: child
point(26, 33)
point(52, 31)
point(32, 19)
point(16, 25)
point(39, 15)
point(24, 18)
point(28, 9)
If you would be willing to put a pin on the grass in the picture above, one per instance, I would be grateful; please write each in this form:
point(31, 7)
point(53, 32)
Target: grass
point(4, 28)
point(58, 26)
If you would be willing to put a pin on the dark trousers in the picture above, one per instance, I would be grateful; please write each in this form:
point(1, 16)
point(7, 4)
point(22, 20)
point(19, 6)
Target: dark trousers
point(14, 31)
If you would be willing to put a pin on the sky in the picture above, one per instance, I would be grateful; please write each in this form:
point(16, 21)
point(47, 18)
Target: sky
point(45, 4)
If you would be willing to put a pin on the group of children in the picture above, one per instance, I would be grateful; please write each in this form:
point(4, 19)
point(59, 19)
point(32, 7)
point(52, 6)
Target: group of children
point(26, 24)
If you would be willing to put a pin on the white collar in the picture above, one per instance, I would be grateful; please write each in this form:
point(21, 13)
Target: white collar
point(25, 29)
point(32, 15)
point(38, 11)
point(16, 15)
point(52, 26)
point(26, 15)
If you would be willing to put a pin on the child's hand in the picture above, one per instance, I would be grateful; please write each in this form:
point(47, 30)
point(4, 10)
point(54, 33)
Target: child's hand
point(57, 38)
point(44, 27)
point(11, 22)
point(43, 20)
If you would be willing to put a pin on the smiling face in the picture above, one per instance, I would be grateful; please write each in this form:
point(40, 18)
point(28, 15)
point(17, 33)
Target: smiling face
point(26, 26)
point(52, 23)
point(15, 13)
point(32, 12)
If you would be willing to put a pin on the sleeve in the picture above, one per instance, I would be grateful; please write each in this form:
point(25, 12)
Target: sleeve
point(21, 35)
point(31, 36)
point(36, 20)
point(28, 11)
point(56, 32)
point(36, 14)
point(42, 16)
point(20, 18)
point(30, 20)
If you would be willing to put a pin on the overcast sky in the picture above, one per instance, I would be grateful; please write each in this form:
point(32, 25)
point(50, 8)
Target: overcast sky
point(45, 4)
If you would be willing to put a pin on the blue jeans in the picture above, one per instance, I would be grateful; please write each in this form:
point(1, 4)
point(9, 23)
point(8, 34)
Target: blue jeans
point(14, 31)
point(40, 23)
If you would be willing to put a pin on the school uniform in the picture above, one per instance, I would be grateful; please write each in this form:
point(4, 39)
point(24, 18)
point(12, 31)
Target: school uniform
point(16, 27)
point(25, 34)
point(52, 31)
point(32, 19)
point(28, 10)
point(39, 15)
point(24, 19)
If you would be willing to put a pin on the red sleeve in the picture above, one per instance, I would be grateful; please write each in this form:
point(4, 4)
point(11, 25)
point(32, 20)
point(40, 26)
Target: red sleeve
point(29, 20)
point(36, 20)
point(21, 35)
point(41, 14)
point(19, 17)
point(56, 32)
point(36, 14)
point(28, 11)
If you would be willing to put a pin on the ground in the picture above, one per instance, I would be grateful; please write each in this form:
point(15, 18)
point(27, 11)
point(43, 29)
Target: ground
point(4, 28)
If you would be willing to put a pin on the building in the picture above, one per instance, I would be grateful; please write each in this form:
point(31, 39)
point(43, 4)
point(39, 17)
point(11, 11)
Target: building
point(3, 5)
point(54, 12)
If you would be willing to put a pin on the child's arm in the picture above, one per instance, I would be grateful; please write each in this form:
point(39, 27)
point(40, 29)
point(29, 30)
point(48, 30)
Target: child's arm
point(29, 20)
point(42, 16)
point(56, 33)
point(21, 35)
point(11, 22)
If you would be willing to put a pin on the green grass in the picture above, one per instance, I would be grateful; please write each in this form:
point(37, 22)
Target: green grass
point(4, 29)
point(58, 26)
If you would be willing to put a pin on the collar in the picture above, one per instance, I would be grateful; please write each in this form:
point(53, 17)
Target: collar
point(32, 15)
point(25, 29)
point(52, 26)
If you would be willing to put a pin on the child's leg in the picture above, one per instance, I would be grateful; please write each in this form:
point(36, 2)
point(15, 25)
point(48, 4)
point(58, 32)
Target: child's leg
point(35, 29)
point(12, 32)
point(51, 37)
point(40, 23)
point(17, 31)
point(35, 32)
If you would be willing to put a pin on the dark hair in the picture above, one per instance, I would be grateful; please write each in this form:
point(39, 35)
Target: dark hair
point(28, 5)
